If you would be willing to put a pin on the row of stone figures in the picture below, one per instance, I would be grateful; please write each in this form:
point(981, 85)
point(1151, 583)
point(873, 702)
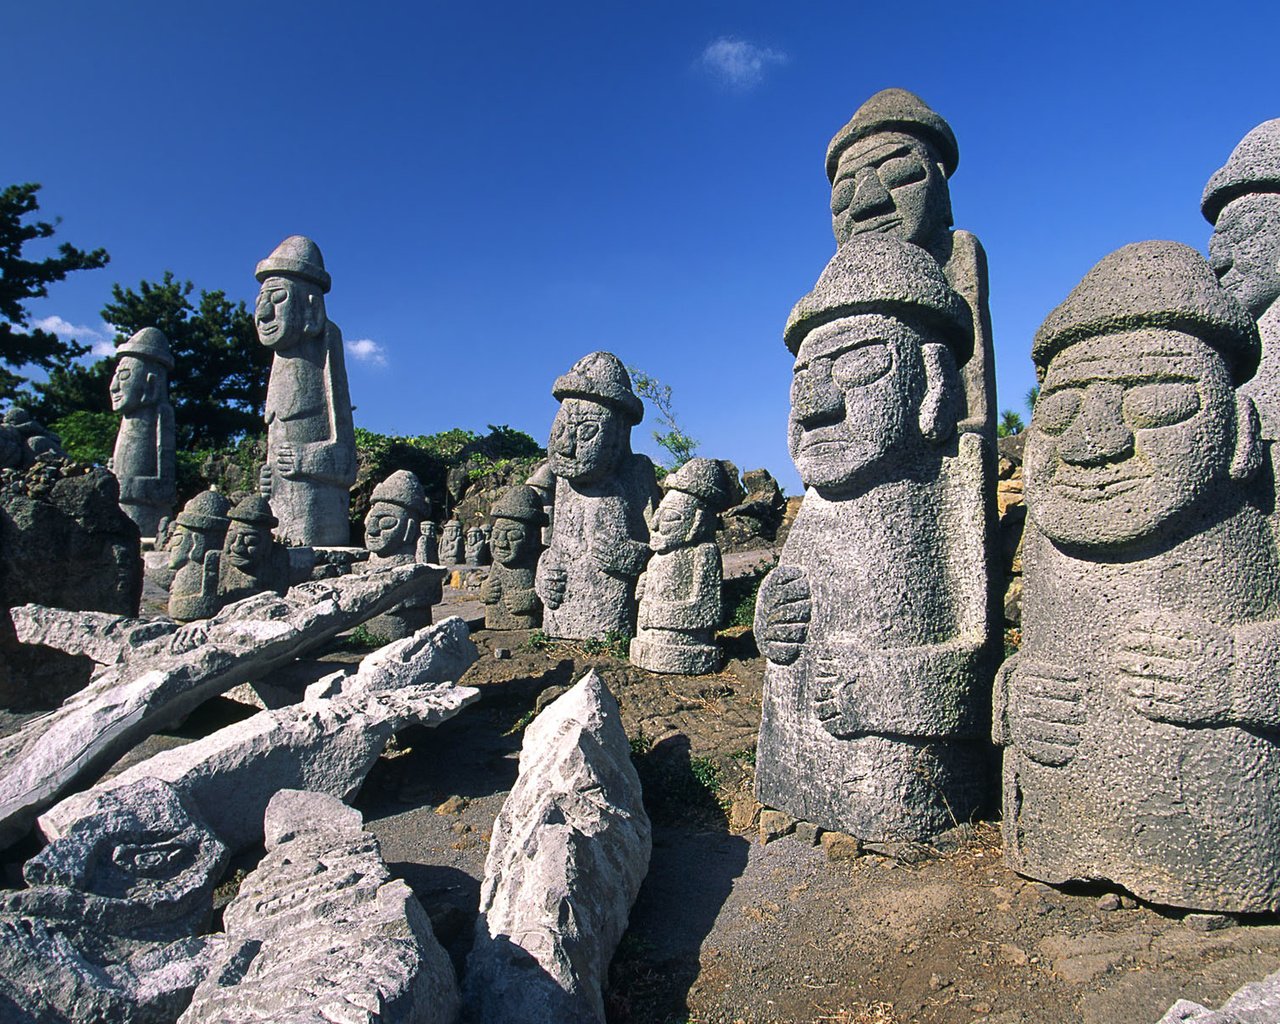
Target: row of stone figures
point(1140, 718)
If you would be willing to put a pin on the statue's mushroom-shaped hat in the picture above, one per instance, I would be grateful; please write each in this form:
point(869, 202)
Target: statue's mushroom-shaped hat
point(255, 511)
point(706, 480)
point(206, 511)
point(520, 503)
point(896, 110)
point(404, 489)
point(601, 377)
point(296, 256)
point(1254, 166)
point(1152, 284)
point(150, 344)
point(883, 274)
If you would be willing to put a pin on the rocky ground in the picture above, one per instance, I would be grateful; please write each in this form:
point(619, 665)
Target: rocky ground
point(730, 929)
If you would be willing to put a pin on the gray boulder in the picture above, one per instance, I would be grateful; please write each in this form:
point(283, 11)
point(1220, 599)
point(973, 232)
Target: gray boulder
point(1257, 1003)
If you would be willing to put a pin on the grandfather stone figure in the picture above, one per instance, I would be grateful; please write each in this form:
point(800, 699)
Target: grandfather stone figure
point(429, 545)
point(311, 447)
point(543, 481)
point(1140, 716)
point(253, 561)
point(508, 594)
point(451, 543)
point(888, 169)
point(604, 494)
point(679, 590)
point(1242, 202)
point(145, 460)
point(877, 622)
point(195, 551)
point(477, 547)
point(393, 535)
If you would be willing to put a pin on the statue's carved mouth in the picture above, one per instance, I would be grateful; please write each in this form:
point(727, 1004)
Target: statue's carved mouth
point(268, 328)
point(1099, 487)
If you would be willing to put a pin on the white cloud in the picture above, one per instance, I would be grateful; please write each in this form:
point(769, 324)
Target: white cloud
point(100, 339)
point(366, 350)
point(103, 348)
point(737, 63)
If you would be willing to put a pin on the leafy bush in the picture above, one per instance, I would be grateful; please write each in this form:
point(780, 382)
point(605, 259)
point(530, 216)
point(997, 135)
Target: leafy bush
point(88, 436)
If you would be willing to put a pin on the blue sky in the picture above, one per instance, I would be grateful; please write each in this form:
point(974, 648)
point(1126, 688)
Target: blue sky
point(500, 188)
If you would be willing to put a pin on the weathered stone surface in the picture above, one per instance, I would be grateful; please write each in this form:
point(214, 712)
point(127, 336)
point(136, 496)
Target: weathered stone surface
point(476, 547)
point(1140, 742)
point(24, 439)
point(889, 169)
point(508, 593)
point(604, 494)
point(877, 624)
point(452, 543)
point(326, 743)
point(320, 932)
point(570, 849)
point(543, 481)
point(311, 444)
point(106, 929)
point(195, 556)
point(165, 679)
point(1256, 1003)
point(252, 560)
point(145, 459)
point(679, 590)
point(757, 515)
point(393, 533)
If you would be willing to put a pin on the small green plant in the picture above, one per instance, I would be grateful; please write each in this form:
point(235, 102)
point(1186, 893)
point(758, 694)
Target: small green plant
point(1010, 424)
point(538, 641)
point(747, 755)
point(641, 744)
point(363, 638)
point(1012, 641)
point(738, 596)
point(520, 723)
point(679, 445)
point(616, 643)
point(707, 773)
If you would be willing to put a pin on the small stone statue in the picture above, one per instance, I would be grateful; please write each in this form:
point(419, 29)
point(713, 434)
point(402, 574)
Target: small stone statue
point(889, 168)
point(508, 594)
point(477, 547)
point(877, 623)
point(311, 447)
point(195, 550)
point(23, 440)
point(1140, 716)
point(451, 543)
point(429, 545)
point(604, 493)
point(393, 535)
point(252, 561)
point(1242, 202)
point(544, 482)
point(679, 590)
point(145, 459)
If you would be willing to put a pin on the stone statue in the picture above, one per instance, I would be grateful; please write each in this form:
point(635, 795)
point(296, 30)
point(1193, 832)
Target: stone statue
point(1242, 202)
point(429, 545)
point(145, 459)
point(604, 493)
point(543, 482)
point(888, 169)
point(195, 552)
point(393, 535)
point(877, 624)
point(679, 590)
point(451, 543)
point(1140, 715)
point(311, 447)
point(508, 594)
point(252, 560)
point(477, 547)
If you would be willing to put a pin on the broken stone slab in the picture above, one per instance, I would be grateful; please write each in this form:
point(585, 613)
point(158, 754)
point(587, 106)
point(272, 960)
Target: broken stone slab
point(320, 931)
point(165, 679)
point(1257, 1003)
point(107, 929)
point(570, 848)
point(328, 743)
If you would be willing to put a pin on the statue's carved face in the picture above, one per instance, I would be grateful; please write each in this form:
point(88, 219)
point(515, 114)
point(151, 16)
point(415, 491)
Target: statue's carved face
point(1129, 430)
point(287, 312)
point(129, 386)
point(1245, 250)
point(855, 394)
point(387, 528)
point(586, 440)
point(247, 546)
point(511, 541)
point(890, 183)
point(675, 522)
point(185, 545)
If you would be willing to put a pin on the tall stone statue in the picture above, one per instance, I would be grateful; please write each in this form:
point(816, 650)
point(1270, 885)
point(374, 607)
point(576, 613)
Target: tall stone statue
point(253, 561)
point(679, 590)
point(195, 552)
point(452, 543)
point(1140, 716)
point(1242, 202)
point(889, 168)
point(508, 594)
point(311, 447)
point(877, 624)
point(393, 535)
point(604, 494)
point(145, 459)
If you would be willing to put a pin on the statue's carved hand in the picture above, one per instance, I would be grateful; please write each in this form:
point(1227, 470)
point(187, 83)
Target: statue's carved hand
point(831, 695)
point(490, 590)
point(1176, 668)
point(552, 582)
point(1045, 712)
point(286, 459)
point(783, 610)
point(264, 481)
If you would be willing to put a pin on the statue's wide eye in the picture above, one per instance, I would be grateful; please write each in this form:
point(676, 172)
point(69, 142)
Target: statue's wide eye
point(900, 170)
point(1160, 405)
point(1054, 412)
point(587, 431)
point(861, 366)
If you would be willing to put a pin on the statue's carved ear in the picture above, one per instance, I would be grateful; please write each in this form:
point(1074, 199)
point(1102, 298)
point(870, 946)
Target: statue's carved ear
point(940, 407)
point(151, 389)
point(315, 320)
point(1247, 459)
